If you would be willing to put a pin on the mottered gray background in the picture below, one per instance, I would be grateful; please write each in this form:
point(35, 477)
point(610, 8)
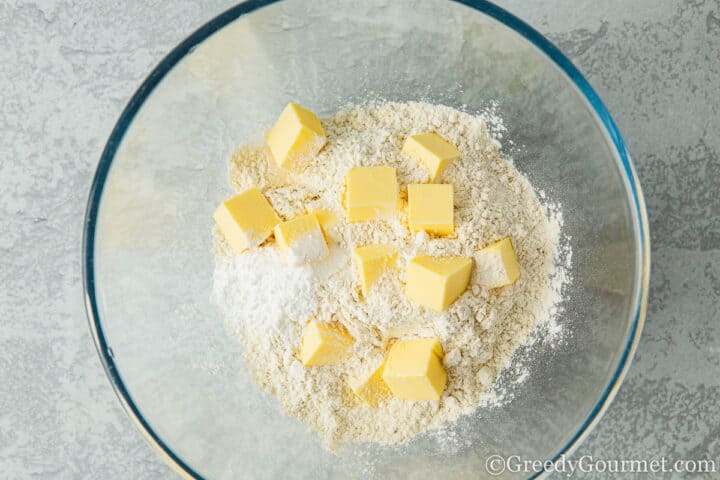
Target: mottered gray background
point(67, 68)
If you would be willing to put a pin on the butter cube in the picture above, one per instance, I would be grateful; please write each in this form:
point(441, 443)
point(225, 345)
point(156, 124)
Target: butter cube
point(327, 220)
point(302, 239)
point(497, 264)
point(246, 219)
point(326, 217)
point(370, 262)
point(370, 192)
point(324, 344)
point(432, 150)
point(430, 208)
point(414, 370)
point(297, 134)
point(436, 282)
point(370, 388)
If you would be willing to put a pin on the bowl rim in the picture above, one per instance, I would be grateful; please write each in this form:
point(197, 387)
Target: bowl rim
point(627, 169)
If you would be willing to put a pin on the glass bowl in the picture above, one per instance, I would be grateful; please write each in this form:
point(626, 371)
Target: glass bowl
point(147, 246)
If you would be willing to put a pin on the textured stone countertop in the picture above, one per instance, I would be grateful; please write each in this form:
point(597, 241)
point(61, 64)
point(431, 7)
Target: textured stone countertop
point(69, 66)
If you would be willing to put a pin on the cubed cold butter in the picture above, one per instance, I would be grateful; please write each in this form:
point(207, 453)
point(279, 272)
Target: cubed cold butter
point(326, 217)
point(370, 387)
point(497, 264)
point(302, 239)
point(370, 262)
point(414, 370)
point(324, 344)
point(297, 134)
point(432, 150)
point(430, 208)
point(246, 219)
point(327, 220)
point(436, 282)
point(370, 192)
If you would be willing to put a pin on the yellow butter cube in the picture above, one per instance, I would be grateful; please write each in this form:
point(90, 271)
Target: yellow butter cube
point(370, 388)
point(414, 370)
point(246, 219)
point(324, 344)
point(297, 134)
point(497, 264)
point(370, 262)
point(302, 239)
point(432, 150)
point(436, 282)
point(370, 192)
point(430, 208)
point(327, 219)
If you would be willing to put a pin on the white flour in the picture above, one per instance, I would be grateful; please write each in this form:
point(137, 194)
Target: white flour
point(266, 303)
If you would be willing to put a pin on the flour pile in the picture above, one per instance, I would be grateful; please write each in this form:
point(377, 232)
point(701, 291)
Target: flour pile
point(266, 302)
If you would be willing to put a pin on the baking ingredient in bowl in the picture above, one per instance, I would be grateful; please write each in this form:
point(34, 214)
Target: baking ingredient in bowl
point(296, 136)
point(370, 193)
point(369, 387)
point(246, 220)
point(430, 208)
point(497, 264)
point(302, 239)
point(324, 344)
point(267, 301)
point(436, 282)
point(414, 370)
point(371, 261)
point(432, 150)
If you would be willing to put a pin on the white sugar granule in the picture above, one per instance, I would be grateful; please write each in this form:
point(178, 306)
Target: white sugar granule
point(266, 302)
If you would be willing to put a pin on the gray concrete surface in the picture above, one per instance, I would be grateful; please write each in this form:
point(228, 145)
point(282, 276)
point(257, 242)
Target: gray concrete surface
point(68, 67)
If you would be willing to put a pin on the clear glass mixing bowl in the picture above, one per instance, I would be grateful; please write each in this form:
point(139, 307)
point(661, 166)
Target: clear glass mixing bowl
point(148, 264)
